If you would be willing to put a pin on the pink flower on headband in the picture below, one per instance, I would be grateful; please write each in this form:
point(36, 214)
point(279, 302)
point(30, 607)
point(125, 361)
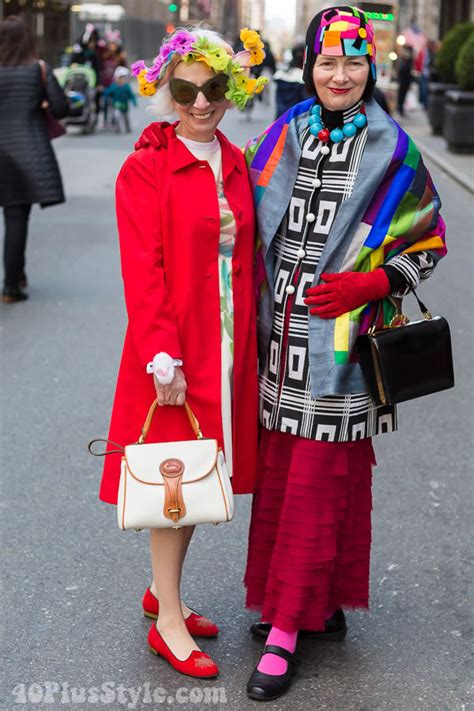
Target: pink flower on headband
point(154, 71)
point(182, 42)
point(164, 54)
point(138, 67)
point(243, 58)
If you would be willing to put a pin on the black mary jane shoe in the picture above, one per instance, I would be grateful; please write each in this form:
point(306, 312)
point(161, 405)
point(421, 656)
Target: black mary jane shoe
point(11, 295)
point(335, 629)
point(266, 687)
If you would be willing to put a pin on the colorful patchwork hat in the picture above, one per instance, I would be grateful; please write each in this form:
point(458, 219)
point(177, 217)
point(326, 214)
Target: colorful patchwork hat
point(342, 31)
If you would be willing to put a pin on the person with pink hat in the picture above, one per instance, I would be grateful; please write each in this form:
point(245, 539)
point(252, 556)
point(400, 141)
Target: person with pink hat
point(348, 219)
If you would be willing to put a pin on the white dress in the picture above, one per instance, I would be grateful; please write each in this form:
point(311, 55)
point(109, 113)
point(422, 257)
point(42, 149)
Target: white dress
point(211, 152)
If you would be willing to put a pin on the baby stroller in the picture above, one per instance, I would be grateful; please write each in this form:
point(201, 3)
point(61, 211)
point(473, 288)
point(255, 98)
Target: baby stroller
point(79, 83)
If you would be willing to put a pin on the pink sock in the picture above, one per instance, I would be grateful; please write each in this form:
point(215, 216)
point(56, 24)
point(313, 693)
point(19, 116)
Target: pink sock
point(271, 663)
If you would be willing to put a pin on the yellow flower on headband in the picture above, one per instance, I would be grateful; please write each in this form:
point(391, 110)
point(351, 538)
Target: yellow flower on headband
point(145, 88)
point(257, 55)
point(141, 77)
point(250, 39)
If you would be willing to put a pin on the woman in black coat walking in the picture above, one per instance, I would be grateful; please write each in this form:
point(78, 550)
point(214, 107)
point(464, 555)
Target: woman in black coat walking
point(29, 172)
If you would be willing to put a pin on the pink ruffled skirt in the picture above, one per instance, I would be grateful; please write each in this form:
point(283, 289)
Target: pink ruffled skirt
point(310, 533)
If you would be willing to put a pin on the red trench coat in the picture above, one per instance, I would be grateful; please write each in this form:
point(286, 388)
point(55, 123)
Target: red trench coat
point(169, 226)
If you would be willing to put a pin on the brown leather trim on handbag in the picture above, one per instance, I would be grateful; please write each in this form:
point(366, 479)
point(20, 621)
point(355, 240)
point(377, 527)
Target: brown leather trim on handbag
point(159, 483)
point(172, 471)
point(124, 496)
point(223, 494)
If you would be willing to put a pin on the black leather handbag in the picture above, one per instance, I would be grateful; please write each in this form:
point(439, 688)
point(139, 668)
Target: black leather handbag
point(407, 360)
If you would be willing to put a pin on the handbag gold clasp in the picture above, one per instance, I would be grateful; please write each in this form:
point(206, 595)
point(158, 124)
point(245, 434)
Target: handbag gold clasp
point(399, 320)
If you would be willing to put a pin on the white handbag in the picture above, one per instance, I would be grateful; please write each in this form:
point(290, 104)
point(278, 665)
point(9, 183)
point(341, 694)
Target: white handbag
point(173, 484)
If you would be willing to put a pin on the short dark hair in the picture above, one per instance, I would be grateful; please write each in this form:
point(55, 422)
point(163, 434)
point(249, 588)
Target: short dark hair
point(17, 45)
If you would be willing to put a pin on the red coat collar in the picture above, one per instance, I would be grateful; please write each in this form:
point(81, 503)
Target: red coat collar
point(162, 135)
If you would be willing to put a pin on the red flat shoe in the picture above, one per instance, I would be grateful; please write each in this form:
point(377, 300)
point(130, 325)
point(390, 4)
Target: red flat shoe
point(197, 625)
point(198, 664)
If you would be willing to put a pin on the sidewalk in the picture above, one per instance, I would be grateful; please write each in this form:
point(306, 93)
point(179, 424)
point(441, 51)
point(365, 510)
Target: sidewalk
point(459, 167)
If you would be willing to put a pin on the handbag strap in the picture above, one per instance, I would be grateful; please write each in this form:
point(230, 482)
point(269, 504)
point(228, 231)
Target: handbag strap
point(43, 73)
point(44, 81)
point(191, 416)
point(424, 309)
point(119, 450)
point(398, 315)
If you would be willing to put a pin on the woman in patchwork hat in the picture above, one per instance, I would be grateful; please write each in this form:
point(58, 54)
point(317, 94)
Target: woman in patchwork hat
point(348, 216)
point(187, 238)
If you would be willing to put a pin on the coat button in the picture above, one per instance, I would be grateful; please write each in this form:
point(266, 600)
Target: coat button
point(290, 289)
point(316, 183)
point(301, 253)
point(325, 150)
point(310, 217)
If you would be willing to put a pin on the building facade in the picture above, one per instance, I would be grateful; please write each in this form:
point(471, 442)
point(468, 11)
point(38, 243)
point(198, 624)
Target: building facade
point(424, 13)
point(57, 24)
point(49, 21)
point(434, 17)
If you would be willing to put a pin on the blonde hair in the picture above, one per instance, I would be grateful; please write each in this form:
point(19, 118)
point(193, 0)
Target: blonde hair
point(161, 105)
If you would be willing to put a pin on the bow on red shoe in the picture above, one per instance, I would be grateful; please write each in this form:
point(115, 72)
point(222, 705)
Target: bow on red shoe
point(345, 292)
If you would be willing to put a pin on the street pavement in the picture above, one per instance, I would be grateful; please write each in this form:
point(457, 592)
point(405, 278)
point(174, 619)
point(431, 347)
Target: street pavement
point(72, 582)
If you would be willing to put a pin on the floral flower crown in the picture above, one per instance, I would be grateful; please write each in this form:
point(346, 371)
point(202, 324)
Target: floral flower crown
point(190, 48)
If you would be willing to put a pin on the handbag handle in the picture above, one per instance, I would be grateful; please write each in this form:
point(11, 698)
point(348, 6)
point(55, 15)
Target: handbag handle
point(191, 416)
point(400, 319)
point(424, 309)
point(120, 450)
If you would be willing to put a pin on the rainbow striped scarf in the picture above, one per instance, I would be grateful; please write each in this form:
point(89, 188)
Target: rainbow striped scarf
point(394, 209)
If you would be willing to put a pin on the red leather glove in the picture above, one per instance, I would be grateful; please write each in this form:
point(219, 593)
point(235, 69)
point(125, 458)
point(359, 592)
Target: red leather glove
point(345, 292)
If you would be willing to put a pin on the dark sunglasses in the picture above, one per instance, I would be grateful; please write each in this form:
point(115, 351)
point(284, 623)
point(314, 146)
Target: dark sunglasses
point(185, 92)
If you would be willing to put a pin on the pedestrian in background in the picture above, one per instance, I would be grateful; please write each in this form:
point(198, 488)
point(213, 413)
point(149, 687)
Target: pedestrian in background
point(290, 88)
point(427, 71)
point(187, 234)
point(29, 172)
point(112, 57)
point(405, 77)
point(118, 96)
point(348, 216)
point(89, 50)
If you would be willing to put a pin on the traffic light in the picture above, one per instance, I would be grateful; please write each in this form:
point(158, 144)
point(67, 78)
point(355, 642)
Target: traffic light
point(173, 7)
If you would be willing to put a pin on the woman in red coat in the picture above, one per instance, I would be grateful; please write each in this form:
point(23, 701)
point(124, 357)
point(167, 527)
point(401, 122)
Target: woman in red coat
point(186, 227)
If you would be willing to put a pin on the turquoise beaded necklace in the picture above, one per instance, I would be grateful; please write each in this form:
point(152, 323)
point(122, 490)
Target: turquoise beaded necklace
point(317, 127)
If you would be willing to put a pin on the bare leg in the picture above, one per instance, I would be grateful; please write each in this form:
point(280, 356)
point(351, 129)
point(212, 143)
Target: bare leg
point(187, 532)
point(168, 550)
